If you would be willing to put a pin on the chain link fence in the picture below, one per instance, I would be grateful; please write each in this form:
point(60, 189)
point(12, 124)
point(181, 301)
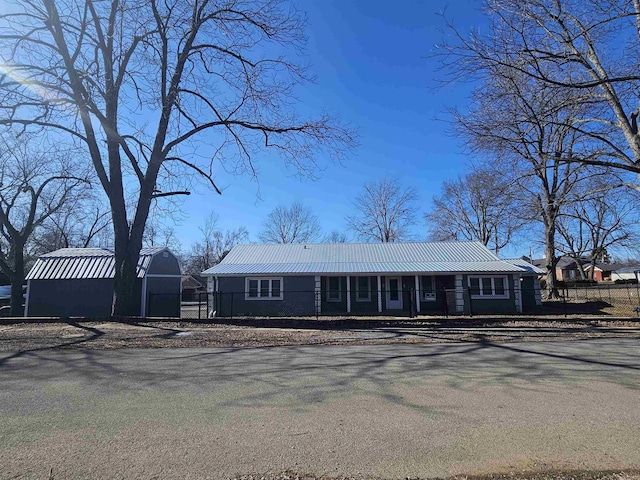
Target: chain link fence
point(610, 299)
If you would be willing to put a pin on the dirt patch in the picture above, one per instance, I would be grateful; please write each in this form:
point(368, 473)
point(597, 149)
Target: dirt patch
point(108, 335)
point(546, 475)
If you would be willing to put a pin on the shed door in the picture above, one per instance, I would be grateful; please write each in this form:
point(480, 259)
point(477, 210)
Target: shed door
point(394, 293)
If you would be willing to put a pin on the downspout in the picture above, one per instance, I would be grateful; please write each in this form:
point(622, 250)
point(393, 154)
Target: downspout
point(143, 300)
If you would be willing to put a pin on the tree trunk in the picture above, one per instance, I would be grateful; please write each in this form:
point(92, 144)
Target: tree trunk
point(592, 272)
point(128, 243)
point(126, 297)
point(550, 257)
point(17, 279)
point(583, 274)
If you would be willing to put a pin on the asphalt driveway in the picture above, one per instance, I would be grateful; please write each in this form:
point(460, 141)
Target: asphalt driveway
point(390, 411)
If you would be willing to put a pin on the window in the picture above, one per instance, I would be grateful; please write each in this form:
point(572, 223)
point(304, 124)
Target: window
point(488, 287)
point(428, 288)
point(363, 289)
point(263, 289)
point(333, 289)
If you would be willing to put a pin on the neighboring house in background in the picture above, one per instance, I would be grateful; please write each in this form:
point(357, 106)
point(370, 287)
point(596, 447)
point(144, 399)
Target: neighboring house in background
point(626, 274)
point(365, 279)
point(78, 282)
point(604, 271)
point(192, 287)
point(567, 269)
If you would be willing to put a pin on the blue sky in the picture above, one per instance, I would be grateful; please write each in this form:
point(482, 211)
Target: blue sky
point(373, 71)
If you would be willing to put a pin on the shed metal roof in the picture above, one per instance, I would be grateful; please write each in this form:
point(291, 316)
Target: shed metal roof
point(84, 263)
point(345, 258)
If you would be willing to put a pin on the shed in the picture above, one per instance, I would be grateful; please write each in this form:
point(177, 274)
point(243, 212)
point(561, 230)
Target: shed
point(78, 282)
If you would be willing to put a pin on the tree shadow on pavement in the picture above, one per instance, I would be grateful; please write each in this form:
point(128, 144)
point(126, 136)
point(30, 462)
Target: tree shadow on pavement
point(298, 377)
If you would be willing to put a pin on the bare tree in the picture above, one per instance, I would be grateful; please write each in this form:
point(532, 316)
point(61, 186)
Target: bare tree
point(33, 187)
point(159, 234)
point(603, 219)
point(564, 44)
point(481, 206)
point(532, 129)
point(214, 245)
point(384, 211)
point(80, 223)
point(336, 236)
point(294, 224)
point(144, 85)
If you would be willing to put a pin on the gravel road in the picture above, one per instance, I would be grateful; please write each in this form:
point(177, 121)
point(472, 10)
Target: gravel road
point(359, 411)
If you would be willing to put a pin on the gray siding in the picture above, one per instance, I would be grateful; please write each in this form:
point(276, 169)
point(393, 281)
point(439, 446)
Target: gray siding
point(163, 296)
point(164, 265)
point(298, 298)
point(72, 298)
point(529, 294)
point(330, 307)
point(489, 305)
point(364, 307)
point(439, 306)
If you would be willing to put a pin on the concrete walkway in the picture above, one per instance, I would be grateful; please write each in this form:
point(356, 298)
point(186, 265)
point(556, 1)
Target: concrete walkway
point(390, 411)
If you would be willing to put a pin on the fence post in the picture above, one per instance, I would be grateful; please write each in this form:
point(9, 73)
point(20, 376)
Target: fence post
point(446, 303)
point(231, 313)
point(564, 304)
point(412, 301)
point(470, 302)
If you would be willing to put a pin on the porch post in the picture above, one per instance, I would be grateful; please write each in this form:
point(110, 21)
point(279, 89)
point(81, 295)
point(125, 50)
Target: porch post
point(536, 291)
point(348, 294)
point(379, 295)
point(318, 294)
point(459, 294)
point(417, 294)
point(517, 292)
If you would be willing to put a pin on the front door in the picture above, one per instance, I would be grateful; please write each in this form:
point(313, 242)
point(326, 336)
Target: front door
point(394, 293)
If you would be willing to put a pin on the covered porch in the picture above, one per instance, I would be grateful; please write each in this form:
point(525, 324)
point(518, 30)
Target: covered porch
point(391, 294)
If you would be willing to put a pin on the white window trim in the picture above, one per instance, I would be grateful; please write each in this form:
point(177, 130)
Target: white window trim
point(368, 290)
point(428, 296)
point(339, 299)
point(493, 287)
point(259, 297)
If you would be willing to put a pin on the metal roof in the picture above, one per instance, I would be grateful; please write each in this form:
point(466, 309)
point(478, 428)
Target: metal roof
point(435, 257)
point(522, 263)
point(77, 263)
point(627, 269)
